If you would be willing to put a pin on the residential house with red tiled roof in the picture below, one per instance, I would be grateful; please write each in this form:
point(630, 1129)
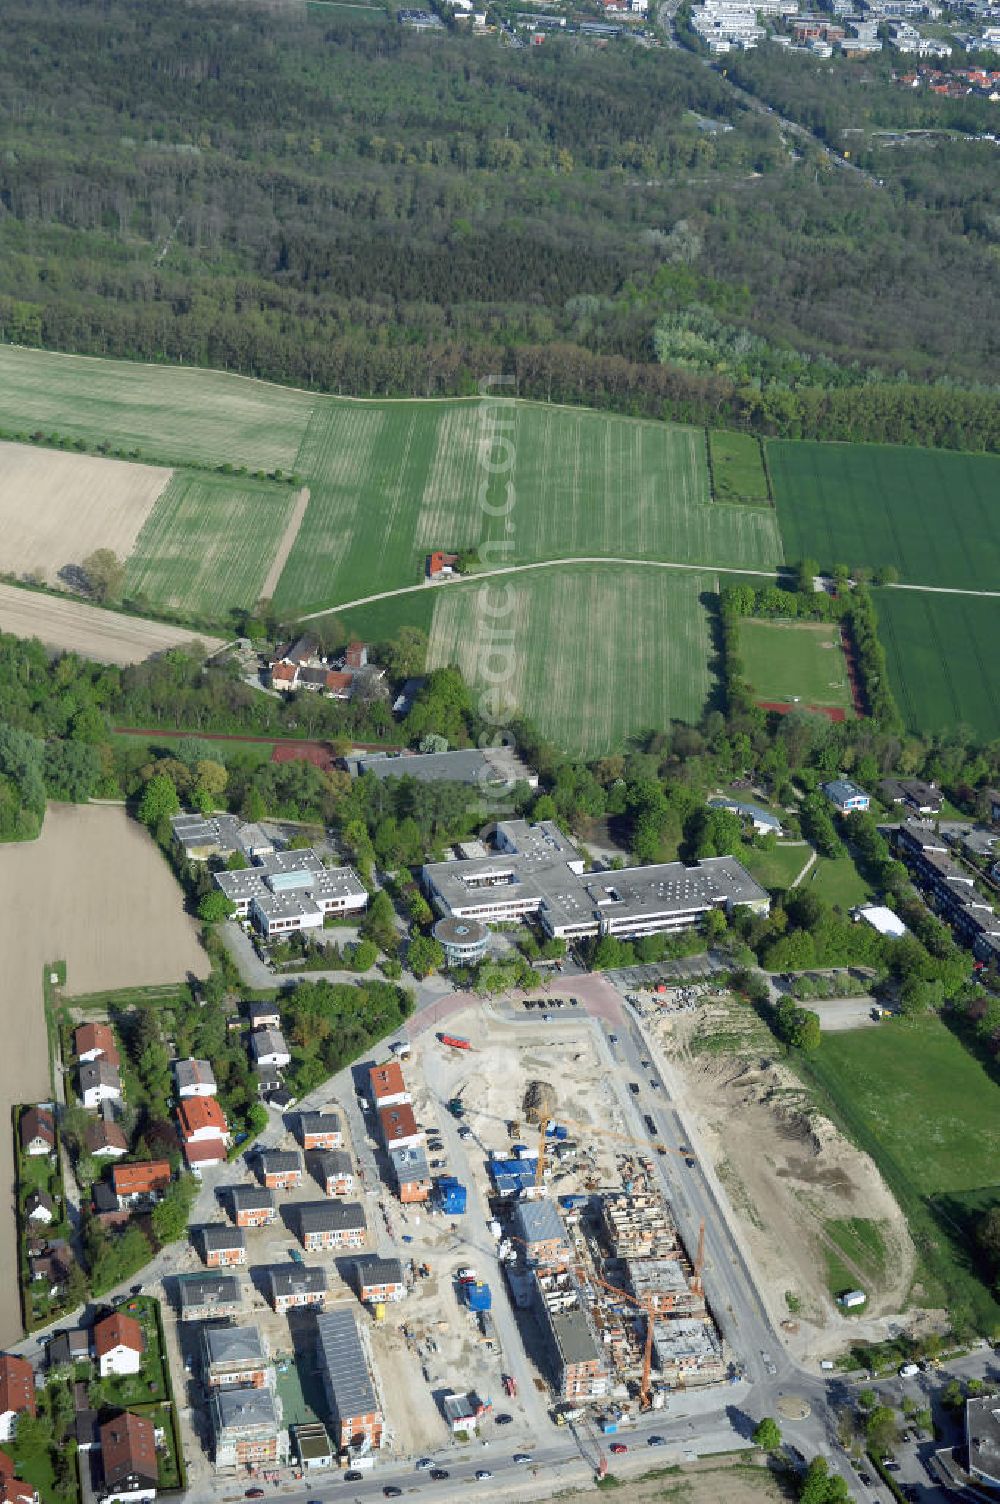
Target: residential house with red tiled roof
point(96, 1042)
point(17, 1392)
point(118, 1344)
point(128, 1459)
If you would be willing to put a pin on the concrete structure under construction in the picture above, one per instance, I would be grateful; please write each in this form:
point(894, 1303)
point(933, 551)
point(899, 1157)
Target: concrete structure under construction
point(687, 1351)
point(574, 1353)
point(246, 1428)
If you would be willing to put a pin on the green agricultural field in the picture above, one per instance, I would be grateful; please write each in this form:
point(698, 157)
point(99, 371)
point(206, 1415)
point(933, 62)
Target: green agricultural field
point(168, 414)
point(944, 667)
point(788, 661)
point(208, 542)
point(930, 513)
point(592, 654)
point(381, 620)
point(913, 1097)
point(738, 472)
point(390, 482)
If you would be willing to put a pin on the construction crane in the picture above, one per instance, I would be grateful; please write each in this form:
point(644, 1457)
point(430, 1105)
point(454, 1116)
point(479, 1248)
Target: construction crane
point(625, 1138)
point(649, 1310)
point(698, 1284)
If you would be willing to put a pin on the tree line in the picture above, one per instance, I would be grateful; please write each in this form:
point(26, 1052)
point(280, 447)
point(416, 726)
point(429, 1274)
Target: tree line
point(344, 205)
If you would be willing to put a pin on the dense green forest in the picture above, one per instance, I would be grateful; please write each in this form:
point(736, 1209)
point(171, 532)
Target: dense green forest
point(335, 201)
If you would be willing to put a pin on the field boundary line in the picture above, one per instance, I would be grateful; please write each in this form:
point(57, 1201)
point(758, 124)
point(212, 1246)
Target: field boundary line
point(286, 544)
point(490, 574)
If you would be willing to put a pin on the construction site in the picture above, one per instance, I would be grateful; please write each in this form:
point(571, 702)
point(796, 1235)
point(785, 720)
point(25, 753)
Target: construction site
point(610, 1303)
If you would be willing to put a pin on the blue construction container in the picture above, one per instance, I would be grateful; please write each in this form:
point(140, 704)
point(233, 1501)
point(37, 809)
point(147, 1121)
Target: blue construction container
point(452, 1195)
point(478, 1297)
point(572, 1203)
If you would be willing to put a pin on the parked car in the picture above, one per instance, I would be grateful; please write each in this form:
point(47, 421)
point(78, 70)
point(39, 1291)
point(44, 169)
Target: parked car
point(254, 1493)
point(504, 1420)
point(353, 1476)
point(391, 1491)
point(439, 1474)
point(655, 1441)
point(618, 1447)
point(523, 1457)
point(423, 1462)
point(482, 1474)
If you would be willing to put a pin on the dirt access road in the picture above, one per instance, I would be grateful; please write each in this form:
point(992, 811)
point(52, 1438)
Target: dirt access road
point(92, 891)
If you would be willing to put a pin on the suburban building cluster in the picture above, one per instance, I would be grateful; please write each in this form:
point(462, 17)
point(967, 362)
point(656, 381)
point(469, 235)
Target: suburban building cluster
point(402, 1137)
point(536, 872)
point(119, 1450)
point(958, 83)
point(950, 887)
point(244, 1411)
point(347, 676)
point(292, 891)
point(853, 28)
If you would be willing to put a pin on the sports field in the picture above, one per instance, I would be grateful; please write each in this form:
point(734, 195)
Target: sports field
point(208, 542)
point(591, 654)
point(794, 661)
point(390, 482)
point(944, 667)
point(738, 473)
point(929, 1113)
point(930, 513)
point(164, 413)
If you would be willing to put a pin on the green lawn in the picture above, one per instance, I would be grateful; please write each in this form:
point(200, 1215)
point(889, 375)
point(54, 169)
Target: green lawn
point(738, 472)
point(590, 654)
point(838, 881)
point(930, 513)
point(788, 661)
point(163, 413)
point(944, 667)
point(859, 1253)
point(775, 869)
point(929, 1114)
point(140, 748)
point(382, 619)
point(208, 542)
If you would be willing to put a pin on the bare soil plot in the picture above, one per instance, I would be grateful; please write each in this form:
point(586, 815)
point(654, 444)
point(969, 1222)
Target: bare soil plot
point(56, 508)
point(788, 1173)
point(93, 891)
point(72, 626)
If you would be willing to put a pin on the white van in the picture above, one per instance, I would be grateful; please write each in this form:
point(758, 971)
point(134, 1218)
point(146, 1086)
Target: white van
point(909, 1370)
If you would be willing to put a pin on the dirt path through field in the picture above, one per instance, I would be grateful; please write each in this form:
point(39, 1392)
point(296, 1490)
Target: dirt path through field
point(288, 538)
point(72, 626)
point(95, 892)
